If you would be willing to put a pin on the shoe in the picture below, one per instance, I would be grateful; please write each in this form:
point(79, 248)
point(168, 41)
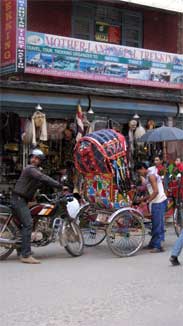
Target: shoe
point(148, 247)
point(30, 260)
point(19, 253)
point(156, 250)
point(174, 261)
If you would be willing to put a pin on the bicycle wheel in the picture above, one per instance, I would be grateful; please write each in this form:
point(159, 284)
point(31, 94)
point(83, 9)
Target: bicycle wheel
point(73, 238)
point(5, 250)
point(93, 232)
point(93, 235)
point(178, 220)
point(126, 232)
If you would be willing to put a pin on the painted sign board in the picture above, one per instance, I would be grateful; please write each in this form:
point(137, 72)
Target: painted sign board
point(13, 27)
point(58, 56)
point(8, 32)
point(20, 34)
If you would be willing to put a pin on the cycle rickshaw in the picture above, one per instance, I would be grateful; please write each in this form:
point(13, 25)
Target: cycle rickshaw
point(100, 157)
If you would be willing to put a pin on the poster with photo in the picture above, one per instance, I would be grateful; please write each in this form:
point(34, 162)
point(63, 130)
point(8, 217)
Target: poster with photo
point(115, 69)
point(53, 55)
point(160, 75)
point(114, 34)
point(138, 72)
point(101, 32)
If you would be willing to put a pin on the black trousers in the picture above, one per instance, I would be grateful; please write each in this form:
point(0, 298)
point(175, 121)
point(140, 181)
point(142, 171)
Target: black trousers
point(22, 211)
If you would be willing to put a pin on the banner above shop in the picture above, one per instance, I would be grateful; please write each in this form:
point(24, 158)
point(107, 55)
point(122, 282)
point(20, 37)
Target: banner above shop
point(59, 56)
point(175, 5)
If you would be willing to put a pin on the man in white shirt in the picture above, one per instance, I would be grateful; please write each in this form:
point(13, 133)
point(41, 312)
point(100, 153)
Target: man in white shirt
point(157, 201)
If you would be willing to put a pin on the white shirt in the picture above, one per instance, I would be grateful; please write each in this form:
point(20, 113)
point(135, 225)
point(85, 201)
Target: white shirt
point(161, 193)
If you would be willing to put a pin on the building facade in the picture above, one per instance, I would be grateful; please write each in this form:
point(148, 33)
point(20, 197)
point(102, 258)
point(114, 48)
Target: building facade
point(119, 58)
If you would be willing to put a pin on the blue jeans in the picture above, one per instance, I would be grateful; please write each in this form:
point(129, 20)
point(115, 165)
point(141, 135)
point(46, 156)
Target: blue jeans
point(178, 245)
point(158, 229)
point(22, 211)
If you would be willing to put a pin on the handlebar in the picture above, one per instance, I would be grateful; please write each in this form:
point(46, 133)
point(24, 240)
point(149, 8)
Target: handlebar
point(56, 197)
point(44, 197)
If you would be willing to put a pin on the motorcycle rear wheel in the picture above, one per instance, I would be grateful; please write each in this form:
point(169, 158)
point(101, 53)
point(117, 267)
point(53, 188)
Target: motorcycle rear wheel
point(5, 251)
point(73, 239)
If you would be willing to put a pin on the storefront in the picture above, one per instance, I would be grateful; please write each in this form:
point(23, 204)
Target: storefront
point(116, 82)
point(19, 135)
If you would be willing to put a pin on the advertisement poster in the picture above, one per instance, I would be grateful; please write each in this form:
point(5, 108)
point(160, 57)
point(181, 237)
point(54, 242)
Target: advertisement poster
point(8, 40)
point(101, 32)
point(59, 56)
point(107, 33)
point(114, 34)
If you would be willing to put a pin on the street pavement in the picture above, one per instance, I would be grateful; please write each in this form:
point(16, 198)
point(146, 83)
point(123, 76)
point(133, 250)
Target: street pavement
point(97, 289)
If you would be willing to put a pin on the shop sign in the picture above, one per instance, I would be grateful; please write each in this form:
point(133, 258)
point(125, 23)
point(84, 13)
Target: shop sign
point(53, 55)
point(175, 5)
point(8, 41)
point(21, 28)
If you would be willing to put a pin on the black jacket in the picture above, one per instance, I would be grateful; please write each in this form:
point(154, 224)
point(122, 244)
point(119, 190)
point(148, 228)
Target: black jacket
point(30, 180)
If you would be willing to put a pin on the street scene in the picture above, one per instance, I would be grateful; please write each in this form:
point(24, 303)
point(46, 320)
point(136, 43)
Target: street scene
point(91, 162)
point(94, 289)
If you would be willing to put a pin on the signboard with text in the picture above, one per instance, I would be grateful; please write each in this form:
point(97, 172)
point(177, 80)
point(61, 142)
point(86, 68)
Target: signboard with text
point(53, 55)
point(13, 28)
point(21, 32)
point(8, 40)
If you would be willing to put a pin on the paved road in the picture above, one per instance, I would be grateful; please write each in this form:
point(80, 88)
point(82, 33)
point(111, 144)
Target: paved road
point(97, 289)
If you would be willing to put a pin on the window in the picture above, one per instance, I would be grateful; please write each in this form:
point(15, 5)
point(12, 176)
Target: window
point(132, 29)
point(82, 21)
point(106, 24)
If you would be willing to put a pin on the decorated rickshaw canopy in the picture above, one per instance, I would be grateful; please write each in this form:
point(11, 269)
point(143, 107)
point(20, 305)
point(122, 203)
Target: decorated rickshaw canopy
point(96, 152)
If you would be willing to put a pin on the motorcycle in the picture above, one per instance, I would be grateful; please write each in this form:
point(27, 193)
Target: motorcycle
point(54, 218)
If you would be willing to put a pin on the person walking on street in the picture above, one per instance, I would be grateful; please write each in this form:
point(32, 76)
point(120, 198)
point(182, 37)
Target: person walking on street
point(176, 250)
point(26, 186)
point(157, 201)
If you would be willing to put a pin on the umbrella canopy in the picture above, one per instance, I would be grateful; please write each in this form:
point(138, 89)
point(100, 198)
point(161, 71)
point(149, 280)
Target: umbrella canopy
point(162, 134)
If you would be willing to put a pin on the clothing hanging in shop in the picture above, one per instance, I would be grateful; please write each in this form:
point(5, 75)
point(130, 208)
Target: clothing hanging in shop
point(39, 127)
point(56, 129)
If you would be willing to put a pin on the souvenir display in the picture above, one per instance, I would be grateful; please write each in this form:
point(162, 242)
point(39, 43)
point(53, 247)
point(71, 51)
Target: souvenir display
point(39, 127)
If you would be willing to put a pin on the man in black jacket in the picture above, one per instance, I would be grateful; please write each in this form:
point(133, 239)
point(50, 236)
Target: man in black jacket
point(30, 180)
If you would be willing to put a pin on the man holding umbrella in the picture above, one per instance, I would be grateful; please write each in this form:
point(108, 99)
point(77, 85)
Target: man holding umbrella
point(157, 201)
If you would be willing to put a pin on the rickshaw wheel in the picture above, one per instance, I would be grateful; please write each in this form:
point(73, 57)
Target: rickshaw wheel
point(126, 233)
point(93, 236)
point(93, 233)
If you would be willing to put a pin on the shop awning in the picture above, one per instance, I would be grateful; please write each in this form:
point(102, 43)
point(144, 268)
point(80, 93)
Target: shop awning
point(57, 105)
point(144, 108)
